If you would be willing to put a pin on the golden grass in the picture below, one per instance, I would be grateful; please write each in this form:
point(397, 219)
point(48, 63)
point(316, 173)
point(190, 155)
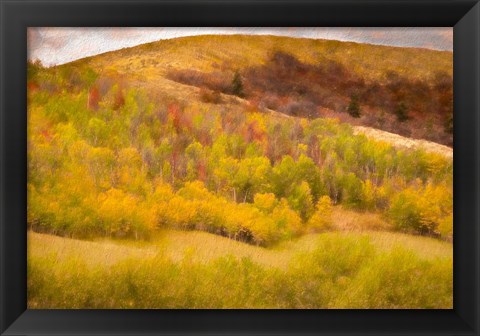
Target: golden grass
point(424, 247)
point(350, 220)
point(402, 142)
point(215, 52)
point(339, 271)
point(96, 252)
point(204, 247)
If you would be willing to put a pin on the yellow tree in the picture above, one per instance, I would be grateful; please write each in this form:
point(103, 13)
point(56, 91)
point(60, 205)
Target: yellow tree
point(322, 218)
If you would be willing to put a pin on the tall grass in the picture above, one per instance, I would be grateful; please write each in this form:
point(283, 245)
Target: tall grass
point(340, 272)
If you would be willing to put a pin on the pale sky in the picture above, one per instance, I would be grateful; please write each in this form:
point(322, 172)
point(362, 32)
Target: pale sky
point(60, 45)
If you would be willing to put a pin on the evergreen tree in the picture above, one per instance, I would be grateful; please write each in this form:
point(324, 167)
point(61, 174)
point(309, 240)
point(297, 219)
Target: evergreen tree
point(401, 112)
point(449, 123)
point(354, 107)
point(237, 85)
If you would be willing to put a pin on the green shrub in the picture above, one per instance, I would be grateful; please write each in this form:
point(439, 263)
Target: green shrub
point(400, 279)
point(340, 272)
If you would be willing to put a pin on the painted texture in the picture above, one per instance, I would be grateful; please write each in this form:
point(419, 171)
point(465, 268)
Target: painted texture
point(60, 45)
point(240, 171)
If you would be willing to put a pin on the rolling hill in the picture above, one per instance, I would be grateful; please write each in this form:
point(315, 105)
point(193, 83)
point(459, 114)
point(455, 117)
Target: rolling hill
point(408, 91)
point(210, 52)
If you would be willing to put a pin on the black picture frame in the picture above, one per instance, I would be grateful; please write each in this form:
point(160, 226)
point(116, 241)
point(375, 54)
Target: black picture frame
point(16, 16)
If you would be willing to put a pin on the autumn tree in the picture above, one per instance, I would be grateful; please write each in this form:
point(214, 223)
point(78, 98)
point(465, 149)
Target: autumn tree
point(265, 202)
point(251, 177)
point(141, 163)
point(322, 218)
point(93, 98)
point(301, 200)
point(33, 68)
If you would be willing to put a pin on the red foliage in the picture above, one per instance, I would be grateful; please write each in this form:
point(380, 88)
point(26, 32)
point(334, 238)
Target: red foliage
point(32, 86)
point(216, 81)
point(93, 98)
point(202, 171)
point(286, 84)
point(47, 135)
point(175, 114)
point(180, 120)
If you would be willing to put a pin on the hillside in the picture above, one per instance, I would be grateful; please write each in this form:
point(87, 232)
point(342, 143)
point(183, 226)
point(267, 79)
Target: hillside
point(408, 91)
point(211, 52)
point(404, 142)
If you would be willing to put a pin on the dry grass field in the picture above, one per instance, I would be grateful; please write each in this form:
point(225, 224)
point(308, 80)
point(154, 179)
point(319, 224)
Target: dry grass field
point(196, 269)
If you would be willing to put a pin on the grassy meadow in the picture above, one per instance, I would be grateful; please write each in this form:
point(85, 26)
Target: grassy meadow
point(166, 176)
point(179, 269)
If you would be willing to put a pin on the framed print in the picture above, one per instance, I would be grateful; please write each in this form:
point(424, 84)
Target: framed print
point(202, 167)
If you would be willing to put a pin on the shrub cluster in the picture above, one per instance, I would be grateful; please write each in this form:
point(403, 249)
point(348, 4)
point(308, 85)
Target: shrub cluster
point(285, 83)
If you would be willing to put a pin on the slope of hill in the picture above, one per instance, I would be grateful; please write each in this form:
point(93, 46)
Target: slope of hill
point(212, 52)
point(404, 142)
point(207, 247)
point(401, 90)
